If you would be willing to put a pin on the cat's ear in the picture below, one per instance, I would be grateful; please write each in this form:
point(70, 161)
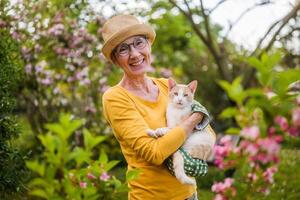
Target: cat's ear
point(193, 86)
point(171, 83)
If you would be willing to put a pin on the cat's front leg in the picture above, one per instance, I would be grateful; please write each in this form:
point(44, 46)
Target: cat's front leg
point(201, 151)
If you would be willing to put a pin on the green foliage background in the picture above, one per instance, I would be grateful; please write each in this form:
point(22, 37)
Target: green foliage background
point(29, 108)
point(12, 166)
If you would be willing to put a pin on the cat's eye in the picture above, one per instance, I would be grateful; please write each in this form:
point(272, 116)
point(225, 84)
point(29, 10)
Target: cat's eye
point(185, 95)
point(176, 93)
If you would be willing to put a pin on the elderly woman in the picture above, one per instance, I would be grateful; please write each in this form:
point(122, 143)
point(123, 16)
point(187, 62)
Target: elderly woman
point(138, 103)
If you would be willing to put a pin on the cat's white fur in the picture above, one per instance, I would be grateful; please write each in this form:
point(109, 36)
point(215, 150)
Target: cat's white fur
point(179, 108)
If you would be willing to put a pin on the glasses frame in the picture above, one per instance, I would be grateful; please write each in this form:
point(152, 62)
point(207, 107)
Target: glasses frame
point(115, 51)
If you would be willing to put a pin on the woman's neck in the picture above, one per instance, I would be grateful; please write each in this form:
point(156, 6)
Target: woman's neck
point(142, 83)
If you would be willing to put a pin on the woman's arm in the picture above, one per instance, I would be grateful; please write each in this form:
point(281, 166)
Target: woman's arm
point(130, 129)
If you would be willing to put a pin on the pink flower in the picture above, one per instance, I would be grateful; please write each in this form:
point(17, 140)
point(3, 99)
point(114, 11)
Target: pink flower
point(282, 122)
point(250, 132)
point(218, 187)
point(271, 131)
point(298, 100)
point(220, 197)
point(104, 88)
point(269, 144)
point(46, 81)
point(56, 30)
point(219, 162)
point(104, 176)
point(90, 109)
point(91, 176)
point(225, 140)
point(268, 174)
point(296, 117)
point(83, 184)
point(2, 23)
point(228, 182)
point(293, 131)
point(252, 176)
point(220, 150)
point(252, 149)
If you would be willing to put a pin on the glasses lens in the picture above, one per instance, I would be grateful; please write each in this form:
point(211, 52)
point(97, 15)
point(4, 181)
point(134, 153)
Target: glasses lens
point(139, 43)
point(123, 50)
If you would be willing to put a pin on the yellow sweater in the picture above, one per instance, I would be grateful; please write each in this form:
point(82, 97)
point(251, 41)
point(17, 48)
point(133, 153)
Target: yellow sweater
point(130, 116)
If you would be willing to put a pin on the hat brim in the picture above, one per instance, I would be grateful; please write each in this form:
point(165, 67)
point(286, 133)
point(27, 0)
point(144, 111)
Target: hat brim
point(117, 38)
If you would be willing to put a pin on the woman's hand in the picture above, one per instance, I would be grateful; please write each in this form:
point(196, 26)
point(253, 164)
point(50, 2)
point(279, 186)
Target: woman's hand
point(189, 124)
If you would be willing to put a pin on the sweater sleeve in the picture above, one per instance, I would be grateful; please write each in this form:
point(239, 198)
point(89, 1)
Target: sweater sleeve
point(130, 129)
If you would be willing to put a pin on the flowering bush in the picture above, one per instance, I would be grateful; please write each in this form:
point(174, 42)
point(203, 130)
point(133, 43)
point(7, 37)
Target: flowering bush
point(65, 171)
point(63, 64)
point(265, 117)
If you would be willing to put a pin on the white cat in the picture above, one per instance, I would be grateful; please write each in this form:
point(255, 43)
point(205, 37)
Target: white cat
point(200, 143)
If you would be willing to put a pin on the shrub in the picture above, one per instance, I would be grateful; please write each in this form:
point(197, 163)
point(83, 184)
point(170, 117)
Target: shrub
point(66, 171)
point(12, 166)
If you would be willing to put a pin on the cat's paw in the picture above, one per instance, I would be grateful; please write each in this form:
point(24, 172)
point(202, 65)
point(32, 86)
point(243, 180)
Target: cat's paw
point(161, 131)
point(201, 151)
point(157, 132)
point(151, 133)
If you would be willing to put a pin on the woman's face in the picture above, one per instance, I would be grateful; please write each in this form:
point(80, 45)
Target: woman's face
point(133, 55)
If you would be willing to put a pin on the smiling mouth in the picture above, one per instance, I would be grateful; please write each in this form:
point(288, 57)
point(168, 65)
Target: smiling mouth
point(137, 63)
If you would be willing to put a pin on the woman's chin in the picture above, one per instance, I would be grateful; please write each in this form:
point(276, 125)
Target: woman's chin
point(139, 69)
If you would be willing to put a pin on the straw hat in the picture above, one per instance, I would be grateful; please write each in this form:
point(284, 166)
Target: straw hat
point(119, 28)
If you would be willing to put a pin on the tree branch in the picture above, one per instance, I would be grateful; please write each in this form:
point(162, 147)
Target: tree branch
point(220, 60)
point(231, 25)
point(190, 18)
point(206, 22)
point(289, 34)
point(283, 21)
point(216, 6)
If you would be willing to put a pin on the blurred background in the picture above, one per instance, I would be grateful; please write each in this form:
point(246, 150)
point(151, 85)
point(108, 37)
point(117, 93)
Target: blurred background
point(54, 141)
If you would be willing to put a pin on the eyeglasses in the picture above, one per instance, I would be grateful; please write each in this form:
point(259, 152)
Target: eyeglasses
point(124, 49)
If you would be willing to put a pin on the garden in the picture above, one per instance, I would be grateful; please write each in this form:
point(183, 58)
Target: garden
point(55, 143)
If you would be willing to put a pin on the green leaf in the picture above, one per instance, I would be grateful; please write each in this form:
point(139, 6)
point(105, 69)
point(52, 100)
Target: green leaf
point(103, 157)
point(132, 174)
point(39, 182)
point(91, 141)
point(66, 127)
point(110, 165)
point(270, 61)
point(235, 90)
point(233, 131)
point(80, 156)
point(253, 61)
point(254, 92)
point(50, 142)
point(57, 129)
point(229, 112)
point(265, 67)
point(36, 167)
point(39, 193)
point(283, 79)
